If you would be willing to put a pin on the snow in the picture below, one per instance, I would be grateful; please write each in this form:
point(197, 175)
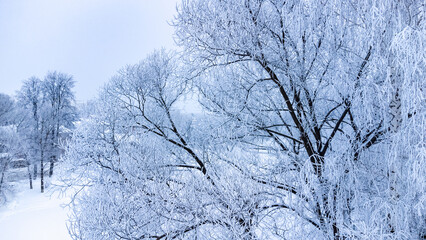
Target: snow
point(33, 215)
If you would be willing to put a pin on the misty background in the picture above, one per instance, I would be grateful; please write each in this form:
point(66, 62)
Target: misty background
point(90, 40)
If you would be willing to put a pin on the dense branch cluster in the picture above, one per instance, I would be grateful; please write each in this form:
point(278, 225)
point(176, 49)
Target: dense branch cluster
point(312, 127)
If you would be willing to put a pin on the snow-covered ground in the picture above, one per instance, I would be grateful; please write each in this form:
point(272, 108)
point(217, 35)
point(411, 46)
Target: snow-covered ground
point(31, 215)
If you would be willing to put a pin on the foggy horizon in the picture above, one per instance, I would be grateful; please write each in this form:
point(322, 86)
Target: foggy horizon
point(88, 40)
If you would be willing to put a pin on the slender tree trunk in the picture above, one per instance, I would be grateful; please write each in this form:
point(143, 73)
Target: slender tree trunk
point(29, 177)
point(336, 229)
point(42, 172)
point(52, 163)
point(2, 177)
point(395, 110)
point(35, 171)
point(3, 172)
point(394, 127)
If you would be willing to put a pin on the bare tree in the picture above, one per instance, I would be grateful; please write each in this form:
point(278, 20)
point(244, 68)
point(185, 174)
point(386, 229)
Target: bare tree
point(57, 91)
point(310, 77)
point(46, 106)
point(296, 141)
point(6, 109)
point(6, 138)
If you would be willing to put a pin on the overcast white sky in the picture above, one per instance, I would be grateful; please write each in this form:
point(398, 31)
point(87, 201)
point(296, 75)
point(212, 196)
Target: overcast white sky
point(89, 39)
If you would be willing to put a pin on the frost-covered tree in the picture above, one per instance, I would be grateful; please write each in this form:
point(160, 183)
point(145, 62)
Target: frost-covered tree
point(312, 128)
point(29, 102)
point(46, 107)
point(58, 95)
point(162, 170)
point(6, 154)
point(6, 109)
point(7, 137)
point(310, 79)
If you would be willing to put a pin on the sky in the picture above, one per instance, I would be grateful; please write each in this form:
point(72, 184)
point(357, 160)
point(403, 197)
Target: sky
point(89, 39)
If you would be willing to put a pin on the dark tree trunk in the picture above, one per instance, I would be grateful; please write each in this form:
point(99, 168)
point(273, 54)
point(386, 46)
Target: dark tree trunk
point(42, 173)
point(29, 177)
point(336, 232)
point(3, 171)
point(52, 164)
point(1, 179)
point(35, 171)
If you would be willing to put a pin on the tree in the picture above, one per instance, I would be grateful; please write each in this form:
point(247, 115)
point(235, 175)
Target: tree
point(47, 107)
point(30, 104)
point(6, 109)
point(297, 139)
point(153, 161)
point(57, 90)
point(7, 137)
point(301, 74)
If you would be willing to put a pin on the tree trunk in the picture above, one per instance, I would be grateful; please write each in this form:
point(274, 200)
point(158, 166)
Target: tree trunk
point(35, 171)
point(29, 177)
point(3, 171)
point(394, 127)
point(1, 179)
point(52, 163)
point(41, 173)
